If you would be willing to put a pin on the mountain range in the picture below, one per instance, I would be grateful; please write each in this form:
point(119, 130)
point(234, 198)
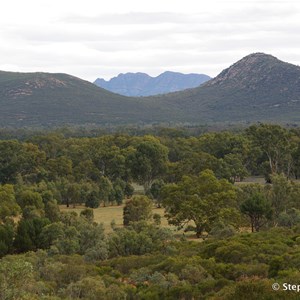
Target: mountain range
point(141, 84)
point(259, 87)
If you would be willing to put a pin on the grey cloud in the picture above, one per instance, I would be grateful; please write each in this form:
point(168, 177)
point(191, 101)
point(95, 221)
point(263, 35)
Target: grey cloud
point(139, 41)
point(64, 34)
point(129, 18)
point(97, 29)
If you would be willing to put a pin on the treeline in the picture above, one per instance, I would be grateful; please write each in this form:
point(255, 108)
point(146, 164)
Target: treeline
point(79, 170)
point(158, 129)
point(260, 149)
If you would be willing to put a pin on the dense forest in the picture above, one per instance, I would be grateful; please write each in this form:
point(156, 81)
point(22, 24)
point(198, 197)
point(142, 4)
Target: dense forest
point(236, 237)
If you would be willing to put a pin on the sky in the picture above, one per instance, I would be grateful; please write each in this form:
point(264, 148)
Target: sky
point(95, 38)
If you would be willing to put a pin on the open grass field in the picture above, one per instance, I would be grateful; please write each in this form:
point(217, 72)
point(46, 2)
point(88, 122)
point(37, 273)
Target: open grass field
point(106, 214)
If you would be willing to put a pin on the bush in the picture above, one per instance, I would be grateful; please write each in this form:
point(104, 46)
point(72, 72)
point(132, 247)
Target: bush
point(88, 213)
point(92, 200)
point(136, 209)
point(157, 219)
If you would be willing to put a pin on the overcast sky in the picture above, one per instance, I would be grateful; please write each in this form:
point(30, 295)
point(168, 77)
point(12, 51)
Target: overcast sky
point(95, 38)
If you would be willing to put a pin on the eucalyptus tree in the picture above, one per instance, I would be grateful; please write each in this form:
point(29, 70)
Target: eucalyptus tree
point(201, 199)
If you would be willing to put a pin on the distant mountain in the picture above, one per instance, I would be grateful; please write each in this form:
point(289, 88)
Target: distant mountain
point(141, 84)
point(258, 87)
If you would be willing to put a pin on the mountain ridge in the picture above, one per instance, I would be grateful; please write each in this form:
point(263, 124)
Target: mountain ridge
point(142, 84)
point(259, 87)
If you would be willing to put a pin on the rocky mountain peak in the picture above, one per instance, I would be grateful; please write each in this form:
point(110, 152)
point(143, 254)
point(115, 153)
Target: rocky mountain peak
point(251, 68)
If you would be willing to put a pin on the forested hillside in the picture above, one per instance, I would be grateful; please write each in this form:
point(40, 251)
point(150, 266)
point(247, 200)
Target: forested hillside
point(48, 100)
point(234, 238)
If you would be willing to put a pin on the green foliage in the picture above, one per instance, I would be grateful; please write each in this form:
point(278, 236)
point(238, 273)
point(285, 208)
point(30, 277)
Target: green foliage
point(30, 198)
point(157, 219)
point(233, 252)
point(258, 209)
point(86, 170)
point(241, 267)
point(92, 200)
point(28, 234)
point(280, 194)
point(118, 194)
point(232, 168)
point(138, 239)
point(136, 209)
point(8, 204)
point(16, 274)
point(276, 143)
point(50, 234)
point(199, 199)
point(105, 189)
point(155, 191)
point(289, 218)
point(88, 213)
point(148, 162)
point(19, 159)
point(10, 160)
point(87, 288)
point(6, 239)
point(59, 167)
point(252, 289)
point(275, 265)
point(143, 260)
point(128, 190)
point(71, 192)
point(52, 211)
point(221, 230)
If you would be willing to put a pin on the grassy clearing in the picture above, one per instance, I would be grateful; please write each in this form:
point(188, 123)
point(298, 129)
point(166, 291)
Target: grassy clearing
point(106, 214)
point(254, 179)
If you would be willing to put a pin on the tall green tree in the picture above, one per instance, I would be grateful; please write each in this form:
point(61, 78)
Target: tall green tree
point(279, 194)
point(200, 199)
point(231, 167)
point(148, 162)
point(28, 234)
point(276, 143)
point(105, 190)
point(257, 208)
point(92, 200)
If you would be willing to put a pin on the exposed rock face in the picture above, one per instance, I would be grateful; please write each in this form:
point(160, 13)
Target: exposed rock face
point(257, 69)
